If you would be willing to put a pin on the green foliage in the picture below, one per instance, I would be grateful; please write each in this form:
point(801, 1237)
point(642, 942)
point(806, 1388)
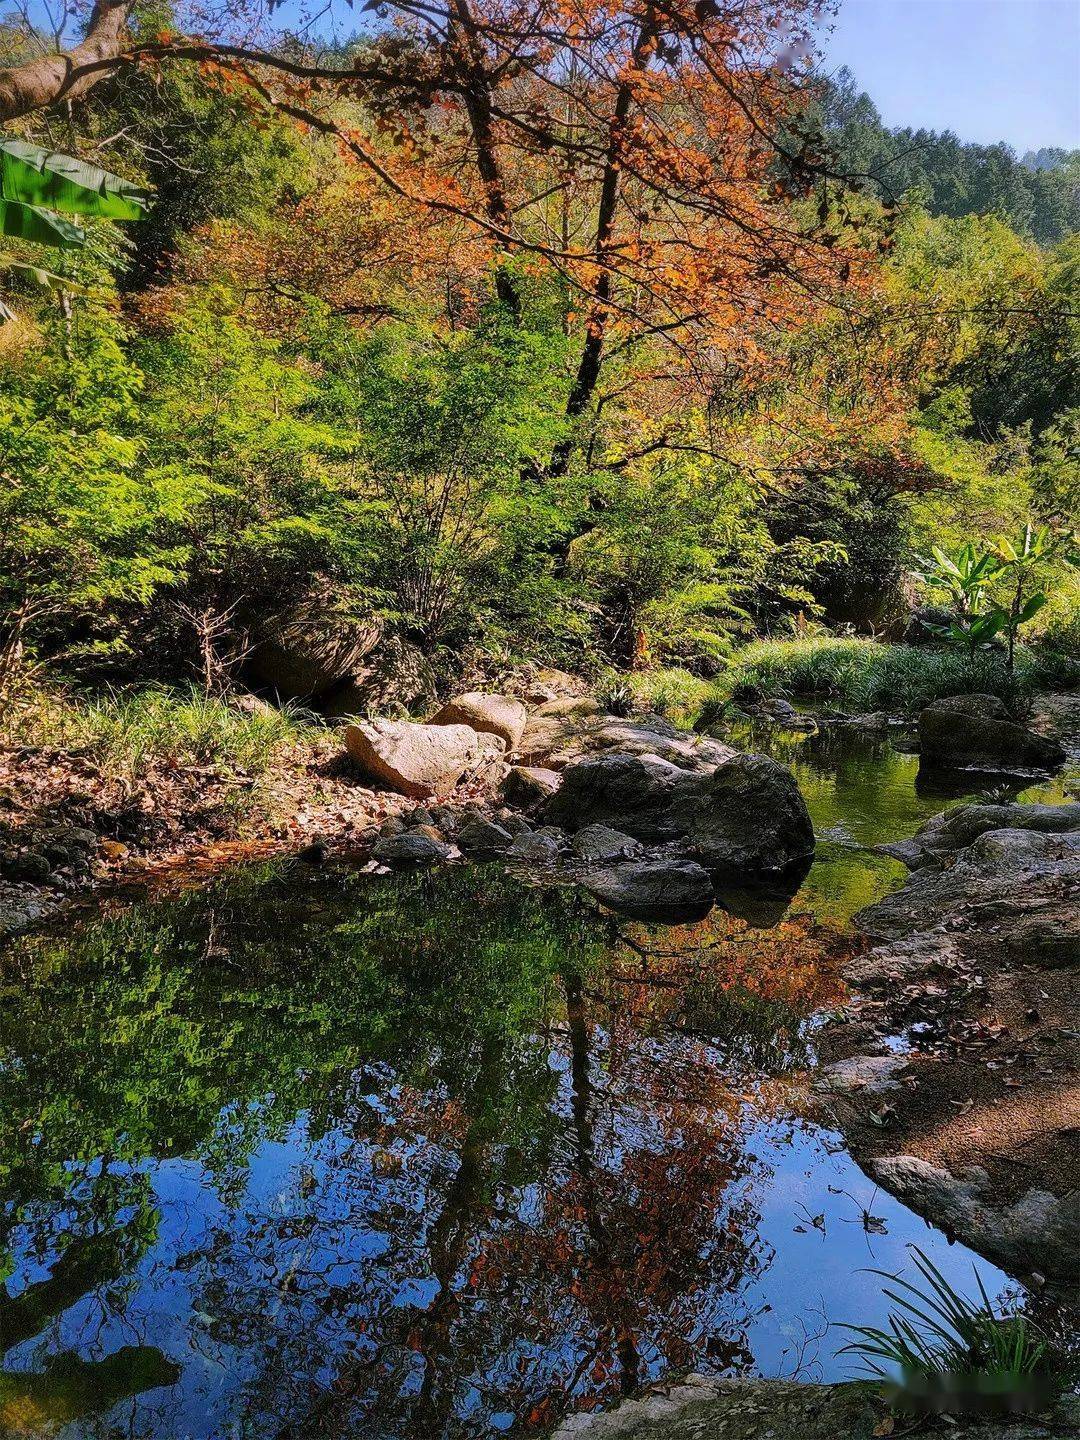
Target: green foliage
point(1039, 196)
point(80, 522)
point(448, 434)
point(125, 732)
point(36, 184)
point(970, 578)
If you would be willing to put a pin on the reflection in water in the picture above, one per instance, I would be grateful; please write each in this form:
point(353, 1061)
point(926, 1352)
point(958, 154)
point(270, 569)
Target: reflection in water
point(311, 1154)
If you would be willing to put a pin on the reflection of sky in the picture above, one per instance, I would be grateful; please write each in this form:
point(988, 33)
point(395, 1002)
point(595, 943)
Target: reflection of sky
point(306, 1274)
point(319, 1264)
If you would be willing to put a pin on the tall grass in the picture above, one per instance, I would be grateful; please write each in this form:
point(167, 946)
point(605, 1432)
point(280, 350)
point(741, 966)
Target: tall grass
point(953, 1353)
point(866, 675)
point(126, 733)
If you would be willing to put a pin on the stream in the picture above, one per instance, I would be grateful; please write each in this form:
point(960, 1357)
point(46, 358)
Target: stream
point(319, 1153)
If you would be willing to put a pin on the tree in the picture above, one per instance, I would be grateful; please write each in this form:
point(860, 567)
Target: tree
point(630, 153)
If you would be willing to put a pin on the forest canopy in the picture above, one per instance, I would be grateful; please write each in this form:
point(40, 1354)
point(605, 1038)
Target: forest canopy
point(604, 336)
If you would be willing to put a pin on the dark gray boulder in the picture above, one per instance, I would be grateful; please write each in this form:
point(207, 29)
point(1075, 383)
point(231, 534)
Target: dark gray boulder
point(410, 850)
point(632, 793)
point(747, 815)
point(669, 891)
point(975, 732)
point(483, 838)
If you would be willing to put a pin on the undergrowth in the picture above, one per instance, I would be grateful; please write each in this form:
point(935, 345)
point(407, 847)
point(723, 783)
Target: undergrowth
point(859, 675)
point(127, 732)
point(941, 1350)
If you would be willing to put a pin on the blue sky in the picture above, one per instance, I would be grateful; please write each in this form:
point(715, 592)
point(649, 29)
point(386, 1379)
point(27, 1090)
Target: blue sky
point(988, 69)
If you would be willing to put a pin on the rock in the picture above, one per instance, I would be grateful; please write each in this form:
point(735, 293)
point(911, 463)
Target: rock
point(445, 819)
point(596, 844)
point(410, 849)
point(498, 715)
point(420, 761)
point(956, 829)
point(306, 650)
point(561, 733)
point(630, 792)
point(515, 824)
point(541, 848)
point(901, 962)
point(548, 684)
point(1022, 847)
point(392, 825)
point(670, 891)
point(924, 625)
point(529, 785)
point(974, 731)
point(865, 1074)
point(1038, 1232)
point(699, 1407)
point(746, 815)
point(644, 735)
point(28, 866)
point(396, 674)
point(483, 838)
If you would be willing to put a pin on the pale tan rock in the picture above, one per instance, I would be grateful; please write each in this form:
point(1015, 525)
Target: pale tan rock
point(487, 714)
point(419, 760)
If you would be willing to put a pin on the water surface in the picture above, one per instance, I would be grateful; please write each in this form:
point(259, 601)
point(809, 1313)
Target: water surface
point(313, 1154)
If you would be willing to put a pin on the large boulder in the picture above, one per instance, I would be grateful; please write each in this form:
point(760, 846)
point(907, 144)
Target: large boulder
point(975, 732)
point(631, 793)
point(421, 760)
point(499, 715)
point(306, 650)
point(395, 674)
point(561, 734)
point(667, 891)
point(746, 815)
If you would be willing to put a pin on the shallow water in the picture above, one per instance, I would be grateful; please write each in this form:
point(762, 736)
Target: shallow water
point(313, 1154)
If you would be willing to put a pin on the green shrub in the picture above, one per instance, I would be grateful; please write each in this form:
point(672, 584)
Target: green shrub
point(956, 1354)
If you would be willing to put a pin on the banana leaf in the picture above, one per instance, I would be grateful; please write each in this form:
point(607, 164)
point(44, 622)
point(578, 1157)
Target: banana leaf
point(34, 176)
point(28, 222)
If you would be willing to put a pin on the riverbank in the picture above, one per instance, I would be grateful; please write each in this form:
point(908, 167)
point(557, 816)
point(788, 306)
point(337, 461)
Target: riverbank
point(953, 1069)
point(701, 1408)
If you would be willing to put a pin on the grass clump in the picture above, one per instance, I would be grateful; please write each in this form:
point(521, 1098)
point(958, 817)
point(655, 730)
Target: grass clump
point(127, 733)
point(867, 675)
point(944, 1352)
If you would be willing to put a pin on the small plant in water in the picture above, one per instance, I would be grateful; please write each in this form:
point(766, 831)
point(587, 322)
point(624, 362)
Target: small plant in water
point(945, 1353)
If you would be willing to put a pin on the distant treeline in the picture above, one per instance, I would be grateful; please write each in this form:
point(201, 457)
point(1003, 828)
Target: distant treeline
point(1038, 194)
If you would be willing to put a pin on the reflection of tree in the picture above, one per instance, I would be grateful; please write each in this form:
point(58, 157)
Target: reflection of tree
point(516, 1176)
